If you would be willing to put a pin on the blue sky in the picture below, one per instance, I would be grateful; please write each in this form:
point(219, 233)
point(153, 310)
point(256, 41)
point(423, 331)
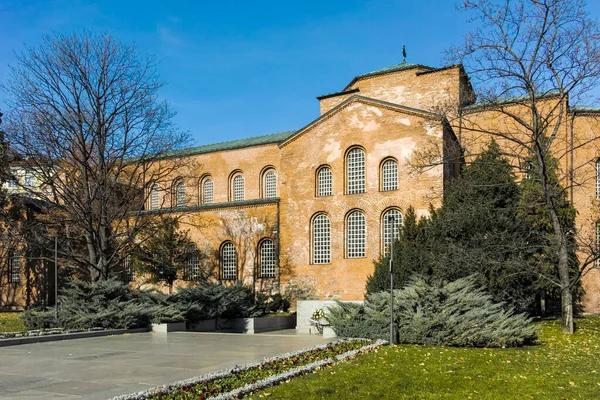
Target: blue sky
point(237, 69)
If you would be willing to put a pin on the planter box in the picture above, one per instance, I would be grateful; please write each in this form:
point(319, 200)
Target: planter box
point(264, 324)
point(244, 325)
point(169, 327)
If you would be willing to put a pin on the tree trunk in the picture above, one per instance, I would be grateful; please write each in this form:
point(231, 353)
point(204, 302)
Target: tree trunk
point(566, 300)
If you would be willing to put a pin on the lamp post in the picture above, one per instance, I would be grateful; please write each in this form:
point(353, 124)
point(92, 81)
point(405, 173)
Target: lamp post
point(392, 223)
point(56, 277)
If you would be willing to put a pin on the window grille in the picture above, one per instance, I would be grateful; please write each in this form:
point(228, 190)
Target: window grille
point(321, 239)
point(392, 225)
point(238, 188)
point(192, 267)
point(128, 268)
point(154, 200)
point(12, 184)
point(270, 184)
point(180, 195)
point(229, 262)
point(207, 191)
point(389, 173)
point(14, 268)
point(356, 171)
point(356, 235)
point(267, 259)
point(324, 182)
point(597, 243)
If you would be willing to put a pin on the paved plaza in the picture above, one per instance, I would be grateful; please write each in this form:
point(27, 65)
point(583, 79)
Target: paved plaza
point(99, 368)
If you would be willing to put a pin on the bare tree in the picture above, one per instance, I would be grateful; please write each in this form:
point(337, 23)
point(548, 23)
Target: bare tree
point(85, 115)
point(541, 54)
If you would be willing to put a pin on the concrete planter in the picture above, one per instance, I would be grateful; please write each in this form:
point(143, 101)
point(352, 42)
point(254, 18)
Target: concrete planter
point(244, 325)
point(169, 327)
point(305, 310)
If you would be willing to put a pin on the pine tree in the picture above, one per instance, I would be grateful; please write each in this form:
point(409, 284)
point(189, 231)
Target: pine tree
point(476, 230)
point(534, 211)
point(163, 252)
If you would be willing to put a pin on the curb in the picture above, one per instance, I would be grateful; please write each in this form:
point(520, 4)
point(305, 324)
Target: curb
point(67, 336)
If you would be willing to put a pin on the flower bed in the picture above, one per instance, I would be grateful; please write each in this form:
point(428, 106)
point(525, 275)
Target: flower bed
point(239, 381)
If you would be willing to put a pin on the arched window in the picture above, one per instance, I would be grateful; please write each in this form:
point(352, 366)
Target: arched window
point(128, 268)
point(321, 233)
point(391, 227)
point(207, 190)
point(269, 183)
point(355, 171)
point(237, 187)
point(191, 271)
point(179, 193)
point(356, 235)
point(267, 259)
point(14, 267)
point(389, 175)
point(228, 262)
point(598, 178)
point(324, 181)
point(154, 198)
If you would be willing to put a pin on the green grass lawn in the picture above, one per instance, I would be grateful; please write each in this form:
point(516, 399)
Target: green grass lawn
point(10, 322)
point(560, 367)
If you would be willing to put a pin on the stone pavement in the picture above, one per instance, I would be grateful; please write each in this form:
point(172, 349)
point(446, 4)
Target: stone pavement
point(99, 368)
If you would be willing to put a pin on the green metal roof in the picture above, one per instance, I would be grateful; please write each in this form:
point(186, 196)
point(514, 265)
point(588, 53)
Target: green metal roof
point(394, 68)
point(510, 100)
point(234, 144)
point(584, 110)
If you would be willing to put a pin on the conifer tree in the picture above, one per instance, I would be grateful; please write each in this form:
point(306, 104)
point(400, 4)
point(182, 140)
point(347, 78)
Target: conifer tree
point(163, 252)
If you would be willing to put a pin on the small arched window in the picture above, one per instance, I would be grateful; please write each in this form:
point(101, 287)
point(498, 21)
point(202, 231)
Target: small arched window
point(269, 184)
point(356, 235)
point(14, 267)
point(207, 190)
point(324, 181)
point(321, 239)
point(179, 193)
point(228, 262)
point(355, 171)
point(389, 175)
point(391, 227)
point(237, 187)
point(267, 259)
point(154, 198)
point(191, 271)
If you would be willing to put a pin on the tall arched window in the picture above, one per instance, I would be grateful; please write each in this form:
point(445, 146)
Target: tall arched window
point(389, 175)
point(238, 187)
point(192, 264)
point(128, 270)
point(267, 259)
point(228, 262)
point(321, 238)
point(598, 178)
point(179, 193)
point(355, 171)
point(154, 198)
point(324, 181)
point(269, 184)
point(207, 190)
point(356, 235)
point(14, 267)
point(391, 227)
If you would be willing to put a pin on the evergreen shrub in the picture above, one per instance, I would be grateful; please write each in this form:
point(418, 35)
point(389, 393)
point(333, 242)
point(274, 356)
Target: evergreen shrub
point(458, 313)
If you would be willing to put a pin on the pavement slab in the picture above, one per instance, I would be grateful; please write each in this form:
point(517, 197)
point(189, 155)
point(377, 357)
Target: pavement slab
point(103, 367)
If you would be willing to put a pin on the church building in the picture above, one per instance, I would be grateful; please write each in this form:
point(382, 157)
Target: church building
point(312, 208)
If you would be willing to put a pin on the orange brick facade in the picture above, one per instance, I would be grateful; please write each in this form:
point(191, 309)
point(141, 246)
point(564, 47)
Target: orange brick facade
point(392, 114)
